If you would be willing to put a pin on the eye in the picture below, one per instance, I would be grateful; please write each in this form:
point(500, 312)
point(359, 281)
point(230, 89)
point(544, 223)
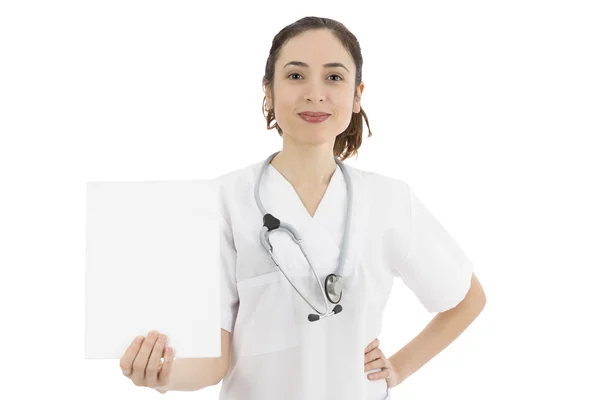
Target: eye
point(295, 73)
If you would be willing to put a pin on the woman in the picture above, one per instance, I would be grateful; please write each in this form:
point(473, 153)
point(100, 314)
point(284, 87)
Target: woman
point(276, 352)
point(289, 342)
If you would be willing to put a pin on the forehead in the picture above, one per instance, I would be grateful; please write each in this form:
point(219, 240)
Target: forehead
point(315, 47)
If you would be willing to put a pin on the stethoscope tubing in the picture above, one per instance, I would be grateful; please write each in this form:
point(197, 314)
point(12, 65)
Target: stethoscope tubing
point(295, 236)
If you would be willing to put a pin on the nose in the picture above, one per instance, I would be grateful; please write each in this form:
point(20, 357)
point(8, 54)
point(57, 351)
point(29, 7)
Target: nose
point(314, 94)
point(308, 99)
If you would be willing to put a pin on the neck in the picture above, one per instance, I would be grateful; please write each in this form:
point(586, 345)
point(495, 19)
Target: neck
point(306, 166)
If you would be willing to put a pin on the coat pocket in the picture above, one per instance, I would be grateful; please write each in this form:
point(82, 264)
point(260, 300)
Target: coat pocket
point(265, 322)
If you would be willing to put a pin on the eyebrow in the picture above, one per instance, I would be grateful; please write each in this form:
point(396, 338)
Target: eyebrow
point(328, 65)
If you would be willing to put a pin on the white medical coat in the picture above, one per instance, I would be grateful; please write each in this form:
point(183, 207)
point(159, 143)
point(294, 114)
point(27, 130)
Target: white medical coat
point(276, 353)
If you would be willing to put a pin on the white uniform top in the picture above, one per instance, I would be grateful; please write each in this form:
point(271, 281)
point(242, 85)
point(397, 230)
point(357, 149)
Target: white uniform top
point(276, 353)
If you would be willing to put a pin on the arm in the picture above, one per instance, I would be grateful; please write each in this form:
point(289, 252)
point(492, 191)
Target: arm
point(191, 374)
point(443, 329)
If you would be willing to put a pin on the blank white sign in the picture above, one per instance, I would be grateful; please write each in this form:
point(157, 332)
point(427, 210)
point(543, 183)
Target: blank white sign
point(152, 263)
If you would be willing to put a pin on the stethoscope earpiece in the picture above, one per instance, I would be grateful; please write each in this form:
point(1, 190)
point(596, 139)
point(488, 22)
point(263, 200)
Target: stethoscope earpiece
point(315, 317)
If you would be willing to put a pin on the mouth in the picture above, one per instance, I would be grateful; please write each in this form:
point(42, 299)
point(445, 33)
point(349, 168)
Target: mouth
point(314, 117)
point(314, 114)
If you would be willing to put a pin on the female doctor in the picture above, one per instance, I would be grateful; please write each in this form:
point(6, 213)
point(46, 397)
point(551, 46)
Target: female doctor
point(310, 247)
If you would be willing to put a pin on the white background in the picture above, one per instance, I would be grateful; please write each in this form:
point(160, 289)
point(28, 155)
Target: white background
point(489, 110)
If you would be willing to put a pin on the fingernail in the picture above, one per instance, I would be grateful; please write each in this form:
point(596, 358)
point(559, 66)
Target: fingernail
point(139, 339)
point(152, 334)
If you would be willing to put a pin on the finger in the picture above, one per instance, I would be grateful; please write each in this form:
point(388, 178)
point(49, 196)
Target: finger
point(165, 372)
point(379, 363)
point(126, 362)
point(383, 374)
point(373, 355)
point(141, 360)
point(372, 345)
point(154, 361)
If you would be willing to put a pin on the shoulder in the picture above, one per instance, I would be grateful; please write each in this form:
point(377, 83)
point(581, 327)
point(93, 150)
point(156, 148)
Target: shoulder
point(239, 178)
point(234, 185)
point(381, 184)
point(387, 199)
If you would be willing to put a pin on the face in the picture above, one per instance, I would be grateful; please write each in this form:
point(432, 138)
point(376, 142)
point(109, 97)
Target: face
point(314, 87)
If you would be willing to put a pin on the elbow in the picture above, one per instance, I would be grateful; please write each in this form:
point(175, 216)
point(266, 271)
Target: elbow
point(473, 302)
point(221, 371)
point(476, 296)
point(476, 301)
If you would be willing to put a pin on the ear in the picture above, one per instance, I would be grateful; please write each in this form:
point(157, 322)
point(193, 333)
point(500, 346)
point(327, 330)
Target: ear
point(356, 106)
point(269, 98)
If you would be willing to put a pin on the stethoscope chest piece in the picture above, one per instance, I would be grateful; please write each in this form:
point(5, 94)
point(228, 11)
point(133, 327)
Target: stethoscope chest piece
point(333, 288)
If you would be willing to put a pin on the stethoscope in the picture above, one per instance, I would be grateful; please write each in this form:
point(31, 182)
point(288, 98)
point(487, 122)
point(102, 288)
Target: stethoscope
point(332, 288)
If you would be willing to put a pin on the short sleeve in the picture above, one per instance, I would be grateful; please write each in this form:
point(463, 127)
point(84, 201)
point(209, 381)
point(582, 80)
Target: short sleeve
point(435, 268)
point(229, 293)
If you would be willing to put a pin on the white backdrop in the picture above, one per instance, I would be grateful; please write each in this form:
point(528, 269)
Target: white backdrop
point(489, 110)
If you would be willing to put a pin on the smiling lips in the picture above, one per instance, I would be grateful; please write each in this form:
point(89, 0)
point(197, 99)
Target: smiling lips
point(314, 116)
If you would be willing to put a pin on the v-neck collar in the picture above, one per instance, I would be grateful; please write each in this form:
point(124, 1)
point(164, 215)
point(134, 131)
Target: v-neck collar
point(323, 204)
point(281, 200)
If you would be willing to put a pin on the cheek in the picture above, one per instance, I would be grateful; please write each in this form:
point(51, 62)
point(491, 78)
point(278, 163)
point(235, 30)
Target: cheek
point(345, 104)
point(286, 104)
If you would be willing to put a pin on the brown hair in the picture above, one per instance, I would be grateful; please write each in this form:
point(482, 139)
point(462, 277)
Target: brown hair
point(347, 142)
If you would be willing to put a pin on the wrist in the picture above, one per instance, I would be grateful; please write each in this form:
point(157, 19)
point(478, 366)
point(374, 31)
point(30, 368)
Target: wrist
point(401, 365)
